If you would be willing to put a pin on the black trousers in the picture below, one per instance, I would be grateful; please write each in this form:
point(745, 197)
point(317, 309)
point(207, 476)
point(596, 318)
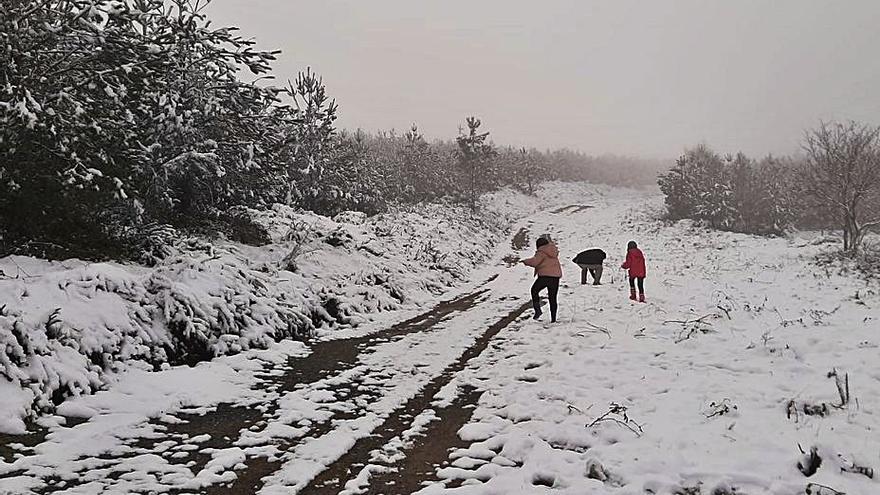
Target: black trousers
point(552, 286)
point(641, 282)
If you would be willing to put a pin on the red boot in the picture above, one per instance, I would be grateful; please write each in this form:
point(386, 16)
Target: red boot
point(632, 294)
point(641, 298)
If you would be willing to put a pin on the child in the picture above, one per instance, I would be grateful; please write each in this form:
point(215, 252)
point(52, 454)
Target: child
point(635, 262)
point(549, 271)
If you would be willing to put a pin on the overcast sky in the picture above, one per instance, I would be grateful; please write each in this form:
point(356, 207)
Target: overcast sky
point(630, 77)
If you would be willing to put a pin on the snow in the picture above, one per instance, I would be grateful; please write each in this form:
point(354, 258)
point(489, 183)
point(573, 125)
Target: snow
point(788, 327)
point(13, 407)
point(701, 390)
point(68, 327)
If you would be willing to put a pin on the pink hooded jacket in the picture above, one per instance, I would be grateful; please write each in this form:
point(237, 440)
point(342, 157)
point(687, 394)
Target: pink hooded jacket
point(546, 261)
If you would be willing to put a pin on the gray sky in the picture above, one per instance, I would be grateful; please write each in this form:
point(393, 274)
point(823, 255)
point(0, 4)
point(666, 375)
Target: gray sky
point(646, 77)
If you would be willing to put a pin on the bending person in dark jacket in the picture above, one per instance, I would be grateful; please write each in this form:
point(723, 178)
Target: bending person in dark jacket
point(590, 261)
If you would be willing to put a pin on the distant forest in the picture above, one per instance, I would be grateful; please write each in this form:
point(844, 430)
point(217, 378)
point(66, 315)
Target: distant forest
point(123, 123)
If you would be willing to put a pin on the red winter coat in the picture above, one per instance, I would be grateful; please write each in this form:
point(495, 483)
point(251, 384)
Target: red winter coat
point(635, 262)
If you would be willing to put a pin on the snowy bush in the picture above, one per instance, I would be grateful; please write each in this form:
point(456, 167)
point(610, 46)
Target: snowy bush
point(730, 193)
point(66, 327)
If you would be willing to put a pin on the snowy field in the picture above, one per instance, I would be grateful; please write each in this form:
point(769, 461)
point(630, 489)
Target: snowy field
point(723, 383)
point(714, 386)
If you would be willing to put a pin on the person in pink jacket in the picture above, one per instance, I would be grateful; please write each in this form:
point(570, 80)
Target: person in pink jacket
point(549, 271)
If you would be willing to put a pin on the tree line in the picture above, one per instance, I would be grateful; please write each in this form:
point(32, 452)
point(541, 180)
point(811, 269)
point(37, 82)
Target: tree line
point(125, 123)
point(834, 183)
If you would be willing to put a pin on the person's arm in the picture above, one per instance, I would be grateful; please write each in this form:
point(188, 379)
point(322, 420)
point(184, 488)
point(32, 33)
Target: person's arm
point(534, 260)
point(626, 264)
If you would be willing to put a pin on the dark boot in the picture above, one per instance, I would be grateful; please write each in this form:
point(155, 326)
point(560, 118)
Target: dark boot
point(632, 294)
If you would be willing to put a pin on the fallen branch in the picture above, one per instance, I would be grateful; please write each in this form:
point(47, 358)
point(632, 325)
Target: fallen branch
point(682, 336)
point(697, 320)
point(595, 328)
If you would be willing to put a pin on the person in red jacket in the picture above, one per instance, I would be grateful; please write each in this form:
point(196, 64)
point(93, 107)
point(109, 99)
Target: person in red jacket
point(635, 263)
point(549, 271)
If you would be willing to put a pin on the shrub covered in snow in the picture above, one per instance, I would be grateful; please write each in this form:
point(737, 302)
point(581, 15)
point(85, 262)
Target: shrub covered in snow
point(65, 327)
point(730, 193)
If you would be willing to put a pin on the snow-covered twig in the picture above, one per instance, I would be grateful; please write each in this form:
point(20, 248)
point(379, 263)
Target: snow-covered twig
point(696, 320)
point(572, 407)
point(842, 385)
point(819, 489)
point(785, 322)
point(619, 410)
point(720, 408)
point(596, 328)
point(852, 467)
point(20, 269)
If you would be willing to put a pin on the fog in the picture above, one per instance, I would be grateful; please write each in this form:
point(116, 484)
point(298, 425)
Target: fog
point(626, 77)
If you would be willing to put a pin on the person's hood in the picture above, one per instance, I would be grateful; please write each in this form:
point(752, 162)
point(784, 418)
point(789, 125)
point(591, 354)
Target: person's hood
point(550, 250)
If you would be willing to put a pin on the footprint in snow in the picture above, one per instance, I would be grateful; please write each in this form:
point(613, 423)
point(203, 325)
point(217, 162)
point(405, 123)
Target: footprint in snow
point(527, 378)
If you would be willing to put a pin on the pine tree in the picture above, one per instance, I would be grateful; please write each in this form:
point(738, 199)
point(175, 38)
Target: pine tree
point(476, 155)
point(310, 138)
point(120, 114)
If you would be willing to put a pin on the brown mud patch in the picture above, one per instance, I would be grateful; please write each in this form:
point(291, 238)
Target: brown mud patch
point(520, 240)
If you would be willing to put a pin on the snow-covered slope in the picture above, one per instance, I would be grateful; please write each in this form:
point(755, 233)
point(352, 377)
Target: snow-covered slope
point(65, 327)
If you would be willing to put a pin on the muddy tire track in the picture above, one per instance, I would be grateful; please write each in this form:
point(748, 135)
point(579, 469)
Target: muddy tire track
point(571, 209)
point(430, 450)
point(226, 421)
point(333, 479)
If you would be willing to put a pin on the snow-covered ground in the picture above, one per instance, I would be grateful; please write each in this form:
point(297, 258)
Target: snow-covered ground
point(67, 328)
point(710, 378)
point(715, 386)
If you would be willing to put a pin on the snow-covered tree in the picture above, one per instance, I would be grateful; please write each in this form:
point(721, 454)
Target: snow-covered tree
point(698, 188)
point(117, 114)
point(476, 155)
point(530, 169)
point(309, 141)
point(351, 181)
